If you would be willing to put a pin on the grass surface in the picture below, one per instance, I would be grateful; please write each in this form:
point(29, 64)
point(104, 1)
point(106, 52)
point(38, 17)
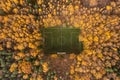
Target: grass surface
point(62, 40)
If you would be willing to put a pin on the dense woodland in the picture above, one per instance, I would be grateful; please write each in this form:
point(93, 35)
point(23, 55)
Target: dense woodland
point(21, 57)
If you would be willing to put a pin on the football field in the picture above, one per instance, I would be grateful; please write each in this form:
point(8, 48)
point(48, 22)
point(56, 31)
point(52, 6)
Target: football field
point(58, 39)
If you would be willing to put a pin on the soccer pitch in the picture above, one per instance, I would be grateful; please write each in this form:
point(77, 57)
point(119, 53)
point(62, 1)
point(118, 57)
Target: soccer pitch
point(61, 39)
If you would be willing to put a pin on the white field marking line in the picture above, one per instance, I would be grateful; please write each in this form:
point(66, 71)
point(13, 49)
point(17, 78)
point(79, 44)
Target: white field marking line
point(64, 28)
point(61, 38)
point(72, 37)
point(50, 34)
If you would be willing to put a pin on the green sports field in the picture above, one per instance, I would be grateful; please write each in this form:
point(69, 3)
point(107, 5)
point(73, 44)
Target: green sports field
point(61, 39)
